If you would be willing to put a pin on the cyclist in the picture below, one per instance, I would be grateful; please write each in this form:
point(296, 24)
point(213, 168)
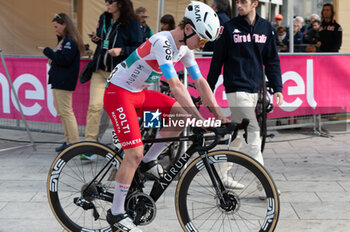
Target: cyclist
point(126, 97)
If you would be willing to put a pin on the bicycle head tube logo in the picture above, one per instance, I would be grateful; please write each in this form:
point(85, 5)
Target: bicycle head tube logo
point(151, 119)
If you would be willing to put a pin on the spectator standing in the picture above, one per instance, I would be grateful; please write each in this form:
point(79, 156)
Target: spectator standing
point(223, 10)
point(331, 32)
point(312, 36)
point(63, 74)
point(142, 14)
point(167, 23)
point(118, 34)
point(278, 21)
point(245, 46)
point(312, 19)
point(298, 37)
point(301, 23)
point(281, 39)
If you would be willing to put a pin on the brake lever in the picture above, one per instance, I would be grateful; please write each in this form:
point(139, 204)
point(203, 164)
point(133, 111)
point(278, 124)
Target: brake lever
point(244, 125)
point(245, 135)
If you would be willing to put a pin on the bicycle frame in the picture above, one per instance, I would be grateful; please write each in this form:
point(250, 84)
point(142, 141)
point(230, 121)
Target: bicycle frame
point(162, 184)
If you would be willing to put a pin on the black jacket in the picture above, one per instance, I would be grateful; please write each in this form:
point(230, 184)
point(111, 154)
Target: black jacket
point(128, 37)
point(244, 50)
point(330, 36)
point(64, 69)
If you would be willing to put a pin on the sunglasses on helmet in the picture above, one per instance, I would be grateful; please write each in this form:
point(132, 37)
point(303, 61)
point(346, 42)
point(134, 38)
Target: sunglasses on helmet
point(201, 39)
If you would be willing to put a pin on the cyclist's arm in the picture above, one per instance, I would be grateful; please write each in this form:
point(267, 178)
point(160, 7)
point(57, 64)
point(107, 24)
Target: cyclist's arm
point(183, 97)
point(202, 86)
point(208, 98)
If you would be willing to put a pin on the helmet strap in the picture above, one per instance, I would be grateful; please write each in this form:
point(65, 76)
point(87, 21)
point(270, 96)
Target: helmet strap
point(186, 37)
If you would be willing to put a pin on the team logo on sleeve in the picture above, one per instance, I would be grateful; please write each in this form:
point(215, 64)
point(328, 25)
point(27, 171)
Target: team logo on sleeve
point(151, 119)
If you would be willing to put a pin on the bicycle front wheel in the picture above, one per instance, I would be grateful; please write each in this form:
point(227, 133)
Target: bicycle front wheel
point(80, 191)
point(199, 209)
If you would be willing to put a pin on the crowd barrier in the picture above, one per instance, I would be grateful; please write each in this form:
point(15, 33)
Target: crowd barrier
point(314, 85)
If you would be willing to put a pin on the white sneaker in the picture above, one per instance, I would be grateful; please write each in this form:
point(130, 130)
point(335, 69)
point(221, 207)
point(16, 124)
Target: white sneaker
point(122, 222)
point(229, 182)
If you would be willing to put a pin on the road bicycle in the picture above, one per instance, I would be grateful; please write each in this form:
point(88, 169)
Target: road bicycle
point(80, 192)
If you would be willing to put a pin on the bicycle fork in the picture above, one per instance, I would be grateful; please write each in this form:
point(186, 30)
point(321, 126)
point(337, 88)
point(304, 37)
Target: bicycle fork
point(215, 178)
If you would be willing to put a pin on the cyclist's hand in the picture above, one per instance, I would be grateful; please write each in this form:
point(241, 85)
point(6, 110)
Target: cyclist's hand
point(279, 98)
point(224, 119)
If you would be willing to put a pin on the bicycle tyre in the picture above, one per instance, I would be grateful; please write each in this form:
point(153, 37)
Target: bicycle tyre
point(66, 179)
point(197, 208)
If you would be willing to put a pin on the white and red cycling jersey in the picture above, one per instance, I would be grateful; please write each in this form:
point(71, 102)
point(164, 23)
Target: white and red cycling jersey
point(126, 97)
point(154, 58)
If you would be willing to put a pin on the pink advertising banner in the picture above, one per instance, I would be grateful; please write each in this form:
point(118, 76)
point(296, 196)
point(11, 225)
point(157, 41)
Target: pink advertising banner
point(29, 77)
point(311, 85)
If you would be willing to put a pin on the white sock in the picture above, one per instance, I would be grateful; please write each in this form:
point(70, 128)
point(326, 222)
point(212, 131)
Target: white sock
point(155, 150)
point(120, 192)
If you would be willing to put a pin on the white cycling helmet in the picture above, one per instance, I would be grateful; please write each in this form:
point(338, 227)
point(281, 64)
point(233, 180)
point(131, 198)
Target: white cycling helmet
point(205, 20)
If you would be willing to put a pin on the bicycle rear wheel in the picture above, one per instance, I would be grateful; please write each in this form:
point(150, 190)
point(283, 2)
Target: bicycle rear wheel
point(199, 209)
point(76, 205)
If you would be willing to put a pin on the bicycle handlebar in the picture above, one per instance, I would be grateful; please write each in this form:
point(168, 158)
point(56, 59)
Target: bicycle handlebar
point(227, 128)
point(165, 85)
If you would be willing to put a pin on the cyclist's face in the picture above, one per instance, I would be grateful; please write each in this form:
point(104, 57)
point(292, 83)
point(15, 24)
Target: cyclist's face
point(195, 41)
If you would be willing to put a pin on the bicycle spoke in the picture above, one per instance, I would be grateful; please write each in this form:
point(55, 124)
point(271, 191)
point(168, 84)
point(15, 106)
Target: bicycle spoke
point(74, 177)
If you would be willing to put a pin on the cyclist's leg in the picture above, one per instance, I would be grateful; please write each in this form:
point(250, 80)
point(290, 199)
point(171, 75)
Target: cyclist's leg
point(120, 105)
point(169, 109)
